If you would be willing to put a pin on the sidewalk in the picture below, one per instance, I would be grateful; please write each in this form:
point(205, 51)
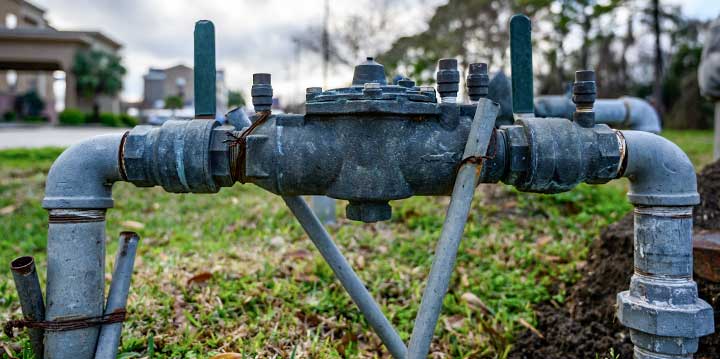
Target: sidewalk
point(50, 136)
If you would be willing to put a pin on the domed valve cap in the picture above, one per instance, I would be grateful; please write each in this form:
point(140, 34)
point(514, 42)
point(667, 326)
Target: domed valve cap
point(584, 93)
point(477, 81)
point(448, 80)
point(262, 92)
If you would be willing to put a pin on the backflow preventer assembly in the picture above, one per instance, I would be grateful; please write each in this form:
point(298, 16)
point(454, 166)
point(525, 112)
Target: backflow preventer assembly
point(371, 143)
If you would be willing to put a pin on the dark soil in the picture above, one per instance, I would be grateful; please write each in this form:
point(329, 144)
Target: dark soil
point(585, 325)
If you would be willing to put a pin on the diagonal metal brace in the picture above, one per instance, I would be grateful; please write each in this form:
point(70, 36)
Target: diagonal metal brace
point(347, 276)
point(444, 262)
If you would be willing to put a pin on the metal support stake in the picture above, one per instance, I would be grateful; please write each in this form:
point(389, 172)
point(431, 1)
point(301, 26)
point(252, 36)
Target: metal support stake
point(347, 276)
point(716, 146)
point(324, 208)
point(31, 298)
point(109, 340)
point(457, 214)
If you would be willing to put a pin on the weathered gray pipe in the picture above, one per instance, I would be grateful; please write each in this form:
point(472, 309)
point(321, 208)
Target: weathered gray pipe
point(347, 276)
point(452, 230)
point(77, 193)
point(635, 113)
point(109, 340)
point(662, 308)
point(31, 298)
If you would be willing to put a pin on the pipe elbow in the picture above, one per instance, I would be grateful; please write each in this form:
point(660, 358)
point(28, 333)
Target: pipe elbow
point(83, 175)
point(641, 116)
point(660, 173)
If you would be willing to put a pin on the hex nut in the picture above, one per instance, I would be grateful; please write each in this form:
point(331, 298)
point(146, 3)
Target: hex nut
point(133, 156)
point(688, 321)
point(608, 155)
point(518, 150)
point(220, 156)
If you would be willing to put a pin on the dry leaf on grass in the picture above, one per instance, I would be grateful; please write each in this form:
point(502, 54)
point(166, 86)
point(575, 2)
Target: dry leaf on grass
point(227, 356)
point(7, 210)
point(530, 327)
point(476, 303)
point(132, 224)
point(199, 278)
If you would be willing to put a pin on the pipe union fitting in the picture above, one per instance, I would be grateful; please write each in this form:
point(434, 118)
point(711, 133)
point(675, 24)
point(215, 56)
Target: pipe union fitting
point(180, 156)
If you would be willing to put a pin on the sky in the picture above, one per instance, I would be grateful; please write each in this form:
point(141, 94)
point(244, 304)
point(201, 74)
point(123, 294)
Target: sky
point(251, 35)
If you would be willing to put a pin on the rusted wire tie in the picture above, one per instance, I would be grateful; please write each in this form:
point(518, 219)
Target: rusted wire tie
point(479, 159)
point(117, 316)
point(237, 144)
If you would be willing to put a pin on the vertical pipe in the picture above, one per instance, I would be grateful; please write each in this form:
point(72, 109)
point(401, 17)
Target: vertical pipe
point(347, 276)
point(109, 339)
point(75, 279)
point(31, 298)
point(662, 309)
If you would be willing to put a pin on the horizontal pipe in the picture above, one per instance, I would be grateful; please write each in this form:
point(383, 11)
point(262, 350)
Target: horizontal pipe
point(31, 298)
point(347, 276)
point(109, 339)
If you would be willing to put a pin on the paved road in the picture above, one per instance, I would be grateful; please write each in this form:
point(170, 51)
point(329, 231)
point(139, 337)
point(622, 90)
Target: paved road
point(50, 136)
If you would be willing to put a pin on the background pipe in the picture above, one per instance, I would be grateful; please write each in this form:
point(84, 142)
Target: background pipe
point(77, 193)
point(31, 298)
point(109, 339)
point(631, 112)
point(662, 308)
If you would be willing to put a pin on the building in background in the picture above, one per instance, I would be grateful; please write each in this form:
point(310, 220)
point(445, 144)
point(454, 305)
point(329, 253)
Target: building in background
point(34, 56)
point(159, 84)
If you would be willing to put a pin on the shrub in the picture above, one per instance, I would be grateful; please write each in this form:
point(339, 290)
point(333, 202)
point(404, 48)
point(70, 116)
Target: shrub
point(129, 121)
point(72, 117)
point(110, 119)
point(34, 118)
point(9, 116)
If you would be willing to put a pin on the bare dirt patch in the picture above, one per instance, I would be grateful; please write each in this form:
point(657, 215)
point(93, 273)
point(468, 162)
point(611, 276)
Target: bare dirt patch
point(585, 325)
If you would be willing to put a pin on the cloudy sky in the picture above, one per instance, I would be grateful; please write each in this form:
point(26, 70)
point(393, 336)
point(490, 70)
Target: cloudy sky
point(252, 36)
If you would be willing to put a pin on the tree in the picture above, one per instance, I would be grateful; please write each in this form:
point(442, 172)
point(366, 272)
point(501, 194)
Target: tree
point(236, 99)
point(98, 73)
point(173, 103)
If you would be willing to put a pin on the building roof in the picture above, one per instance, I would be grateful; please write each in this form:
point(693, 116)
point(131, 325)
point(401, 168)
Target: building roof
point(46, 34)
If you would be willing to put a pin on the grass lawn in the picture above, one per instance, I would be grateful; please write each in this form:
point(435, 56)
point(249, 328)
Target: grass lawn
point(234, 272)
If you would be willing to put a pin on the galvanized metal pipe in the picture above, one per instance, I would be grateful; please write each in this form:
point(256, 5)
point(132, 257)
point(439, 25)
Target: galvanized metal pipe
point(662, 308)
point(75, 279)
point(31, 298)
point(347, 276)
point(77, 192)
point(324, 208)
point(452, 231)
point(109, 339)
point(716, 135)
